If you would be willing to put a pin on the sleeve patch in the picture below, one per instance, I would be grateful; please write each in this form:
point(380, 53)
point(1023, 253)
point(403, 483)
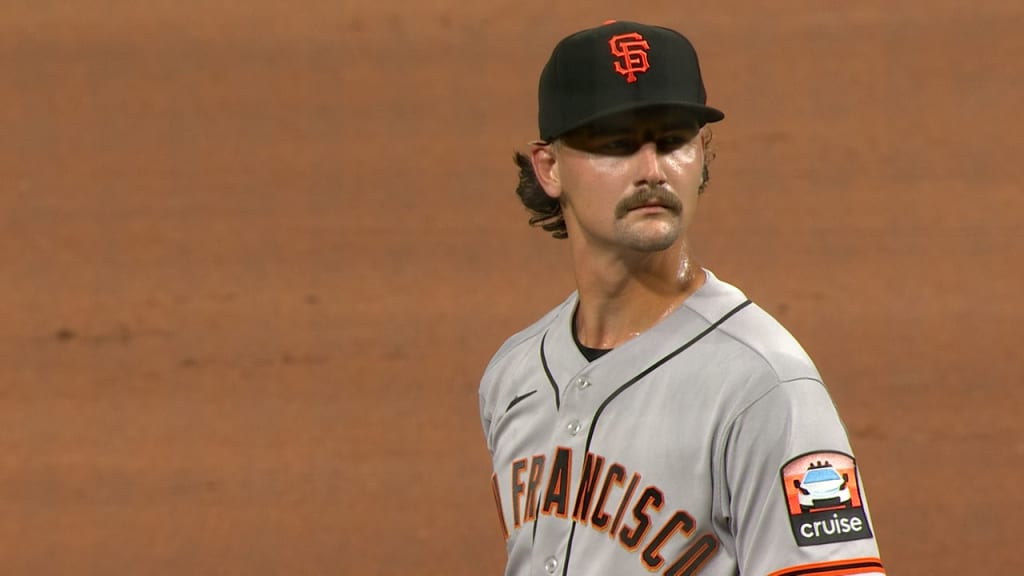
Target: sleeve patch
point(823, 499)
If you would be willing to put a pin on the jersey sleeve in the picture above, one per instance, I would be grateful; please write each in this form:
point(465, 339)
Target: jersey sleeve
point(795, 503)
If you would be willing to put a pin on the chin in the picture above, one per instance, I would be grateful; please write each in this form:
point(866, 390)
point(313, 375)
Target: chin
point(651, 242)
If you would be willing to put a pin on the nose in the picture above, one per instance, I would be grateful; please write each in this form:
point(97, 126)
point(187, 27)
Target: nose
point(650, 171)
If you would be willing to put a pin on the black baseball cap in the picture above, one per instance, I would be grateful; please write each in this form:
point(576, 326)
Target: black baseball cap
point(616, 67)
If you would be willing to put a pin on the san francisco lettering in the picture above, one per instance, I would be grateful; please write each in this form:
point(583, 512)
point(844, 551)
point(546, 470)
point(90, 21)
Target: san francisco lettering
point(610, 500)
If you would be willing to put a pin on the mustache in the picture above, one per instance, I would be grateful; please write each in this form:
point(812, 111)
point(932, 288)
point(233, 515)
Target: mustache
point(645, 197)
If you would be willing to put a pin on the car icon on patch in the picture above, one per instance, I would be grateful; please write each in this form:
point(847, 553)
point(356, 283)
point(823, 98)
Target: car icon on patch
point(822, 487)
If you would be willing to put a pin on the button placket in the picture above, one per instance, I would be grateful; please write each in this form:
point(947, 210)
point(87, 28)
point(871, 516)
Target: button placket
point(574, 427)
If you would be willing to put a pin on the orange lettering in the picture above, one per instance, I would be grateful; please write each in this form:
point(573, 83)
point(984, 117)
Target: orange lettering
point(632, 50)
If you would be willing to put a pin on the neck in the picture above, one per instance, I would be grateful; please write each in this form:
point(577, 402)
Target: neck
point(619, 299)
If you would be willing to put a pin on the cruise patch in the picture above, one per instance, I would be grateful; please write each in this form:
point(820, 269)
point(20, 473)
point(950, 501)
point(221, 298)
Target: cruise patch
point(823, 499)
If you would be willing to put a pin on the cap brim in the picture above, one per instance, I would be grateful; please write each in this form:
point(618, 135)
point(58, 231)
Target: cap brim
point(702, 114)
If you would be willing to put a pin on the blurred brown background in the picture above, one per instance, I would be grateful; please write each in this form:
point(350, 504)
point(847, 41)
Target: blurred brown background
point(255, 256)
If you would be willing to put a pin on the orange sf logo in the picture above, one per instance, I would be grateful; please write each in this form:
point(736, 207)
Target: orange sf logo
point(632, 49)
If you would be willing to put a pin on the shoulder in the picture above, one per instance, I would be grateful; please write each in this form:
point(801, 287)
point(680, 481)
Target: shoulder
point(516, 344)
point(522, 346)
point(752, 334)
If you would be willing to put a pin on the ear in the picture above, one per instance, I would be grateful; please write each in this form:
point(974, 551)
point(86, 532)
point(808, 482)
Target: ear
point(545, 167)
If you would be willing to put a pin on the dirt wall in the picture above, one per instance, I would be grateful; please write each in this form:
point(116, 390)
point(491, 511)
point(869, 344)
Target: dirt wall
point(255, 257)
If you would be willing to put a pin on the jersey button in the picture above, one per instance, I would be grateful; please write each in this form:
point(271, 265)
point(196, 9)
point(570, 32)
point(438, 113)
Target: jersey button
point(551, 565)
point(582, 383)
point(574, 427)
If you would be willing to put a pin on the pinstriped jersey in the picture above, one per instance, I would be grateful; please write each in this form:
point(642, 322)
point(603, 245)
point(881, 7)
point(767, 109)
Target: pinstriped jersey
point(706, 445)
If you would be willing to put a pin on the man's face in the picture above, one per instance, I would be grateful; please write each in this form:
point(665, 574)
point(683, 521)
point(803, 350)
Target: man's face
point(630, 180)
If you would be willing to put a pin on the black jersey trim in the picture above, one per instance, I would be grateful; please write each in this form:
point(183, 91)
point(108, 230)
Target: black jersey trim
point(659, 364)
point(621, 389)
point(519, 399)
point(547, 371)
point(831, 568)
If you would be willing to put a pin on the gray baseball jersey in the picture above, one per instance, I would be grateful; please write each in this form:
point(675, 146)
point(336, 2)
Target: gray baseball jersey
point(706, 445)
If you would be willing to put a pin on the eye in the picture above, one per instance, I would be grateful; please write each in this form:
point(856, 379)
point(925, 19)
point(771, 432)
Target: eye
point(617, 146)
point(672, 142)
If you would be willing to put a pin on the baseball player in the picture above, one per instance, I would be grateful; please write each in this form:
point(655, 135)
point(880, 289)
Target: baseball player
point(656, 421)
